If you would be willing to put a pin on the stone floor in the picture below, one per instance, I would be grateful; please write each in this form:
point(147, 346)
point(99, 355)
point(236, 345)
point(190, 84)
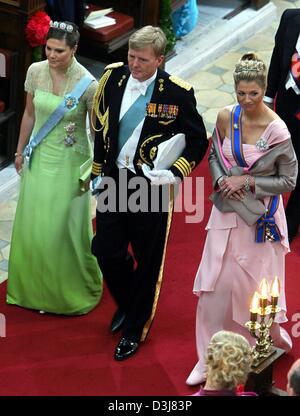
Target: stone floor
point(213, 83)
point(213, 87)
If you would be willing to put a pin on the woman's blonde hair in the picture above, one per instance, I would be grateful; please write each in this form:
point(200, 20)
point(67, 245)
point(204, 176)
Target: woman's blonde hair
point(250, 68)
point(149, 36)
point(228, 360)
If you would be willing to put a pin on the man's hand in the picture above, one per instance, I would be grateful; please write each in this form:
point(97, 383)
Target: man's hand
point(19, 163)
point(159, 177)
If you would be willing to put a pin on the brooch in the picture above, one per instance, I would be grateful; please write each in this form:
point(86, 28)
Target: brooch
point(70, 102)
point(69, 139)
point(161, 84)
point(262, 144)
point(121, 80)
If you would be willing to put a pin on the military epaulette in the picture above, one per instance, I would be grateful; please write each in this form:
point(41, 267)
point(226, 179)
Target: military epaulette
point(178, 81)
point(114, 65)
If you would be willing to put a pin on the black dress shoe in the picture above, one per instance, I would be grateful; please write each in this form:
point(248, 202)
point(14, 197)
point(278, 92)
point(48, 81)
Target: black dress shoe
point(125, 349)
point(117, 321)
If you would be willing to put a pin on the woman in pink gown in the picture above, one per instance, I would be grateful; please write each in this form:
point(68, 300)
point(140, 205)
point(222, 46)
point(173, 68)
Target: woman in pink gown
point(252, 162)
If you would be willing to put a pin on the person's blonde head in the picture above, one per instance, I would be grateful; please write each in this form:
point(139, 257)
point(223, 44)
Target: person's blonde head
point(250, 68)
point(149, 36)
point(228, 360)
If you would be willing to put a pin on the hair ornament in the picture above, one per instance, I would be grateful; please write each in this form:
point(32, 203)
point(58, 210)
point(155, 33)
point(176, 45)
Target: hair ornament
point(62, 26)
point(252, 66)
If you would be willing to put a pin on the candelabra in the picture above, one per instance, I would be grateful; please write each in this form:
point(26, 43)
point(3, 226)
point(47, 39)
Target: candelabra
point(262, 314)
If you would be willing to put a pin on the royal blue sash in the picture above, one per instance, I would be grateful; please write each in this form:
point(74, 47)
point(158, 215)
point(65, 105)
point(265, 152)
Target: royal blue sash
point(236, 142)
point(69, 102)
point(266, 227)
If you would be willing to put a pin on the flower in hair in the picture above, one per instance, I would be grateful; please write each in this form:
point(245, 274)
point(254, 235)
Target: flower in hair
point(37, 29)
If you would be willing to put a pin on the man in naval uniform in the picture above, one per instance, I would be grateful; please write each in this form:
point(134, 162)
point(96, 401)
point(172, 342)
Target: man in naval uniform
point(284, 84)
point(137, 107)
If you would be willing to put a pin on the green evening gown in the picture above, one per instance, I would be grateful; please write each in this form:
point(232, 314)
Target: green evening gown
point(51, 267)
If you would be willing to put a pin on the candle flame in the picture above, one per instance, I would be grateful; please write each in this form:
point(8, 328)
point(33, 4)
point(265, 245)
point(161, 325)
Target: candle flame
point(275, 288)
point(255, 303)
point(264, 289)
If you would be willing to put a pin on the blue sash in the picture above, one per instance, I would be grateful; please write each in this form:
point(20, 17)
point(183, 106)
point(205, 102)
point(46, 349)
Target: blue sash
point(133, 116)
point(69, 102)
point(266, 227)
point(236, 142)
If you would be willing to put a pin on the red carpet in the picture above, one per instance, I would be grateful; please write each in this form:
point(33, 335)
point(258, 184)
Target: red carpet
point(55, 355)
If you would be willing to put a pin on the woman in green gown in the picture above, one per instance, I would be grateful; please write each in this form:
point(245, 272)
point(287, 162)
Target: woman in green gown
point(51, 267)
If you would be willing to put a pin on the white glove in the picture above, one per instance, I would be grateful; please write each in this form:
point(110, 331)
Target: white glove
point(94, 185)
point(159, 177)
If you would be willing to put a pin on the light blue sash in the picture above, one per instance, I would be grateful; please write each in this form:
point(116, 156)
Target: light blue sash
point(69, 102)
point(133, 116)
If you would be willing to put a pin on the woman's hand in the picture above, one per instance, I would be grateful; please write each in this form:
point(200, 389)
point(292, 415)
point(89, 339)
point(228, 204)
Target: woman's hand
point(18, 163)
point(232, 187)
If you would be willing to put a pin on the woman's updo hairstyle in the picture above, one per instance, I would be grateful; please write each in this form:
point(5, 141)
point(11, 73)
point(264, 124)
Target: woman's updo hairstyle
point(250, 68)
point(67, 31)
point(228, 360)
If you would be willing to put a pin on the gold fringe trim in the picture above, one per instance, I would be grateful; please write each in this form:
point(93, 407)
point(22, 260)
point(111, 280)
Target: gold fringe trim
point(160, 275)
point(178, 81)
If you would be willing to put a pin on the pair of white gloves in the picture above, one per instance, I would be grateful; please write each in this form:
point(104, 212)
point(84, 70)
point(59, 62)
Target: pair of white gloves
point(157, 177)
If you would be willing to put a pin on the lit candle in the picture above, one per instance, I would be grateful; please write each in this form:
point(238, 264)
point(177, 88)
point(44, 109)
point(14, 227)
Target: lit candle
point(275, 289)
point(264, 290)
point(254, 307)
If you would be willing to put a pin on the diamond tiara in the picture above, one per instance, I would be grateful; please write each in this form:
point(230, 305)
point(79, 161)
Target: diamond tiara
point(62, 26)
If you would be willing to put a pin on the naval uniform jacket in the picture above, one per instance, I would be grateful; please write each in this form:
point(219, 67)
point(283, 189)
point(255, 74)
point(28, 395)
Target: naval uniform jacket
point(179, 116)
point(172, 110)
